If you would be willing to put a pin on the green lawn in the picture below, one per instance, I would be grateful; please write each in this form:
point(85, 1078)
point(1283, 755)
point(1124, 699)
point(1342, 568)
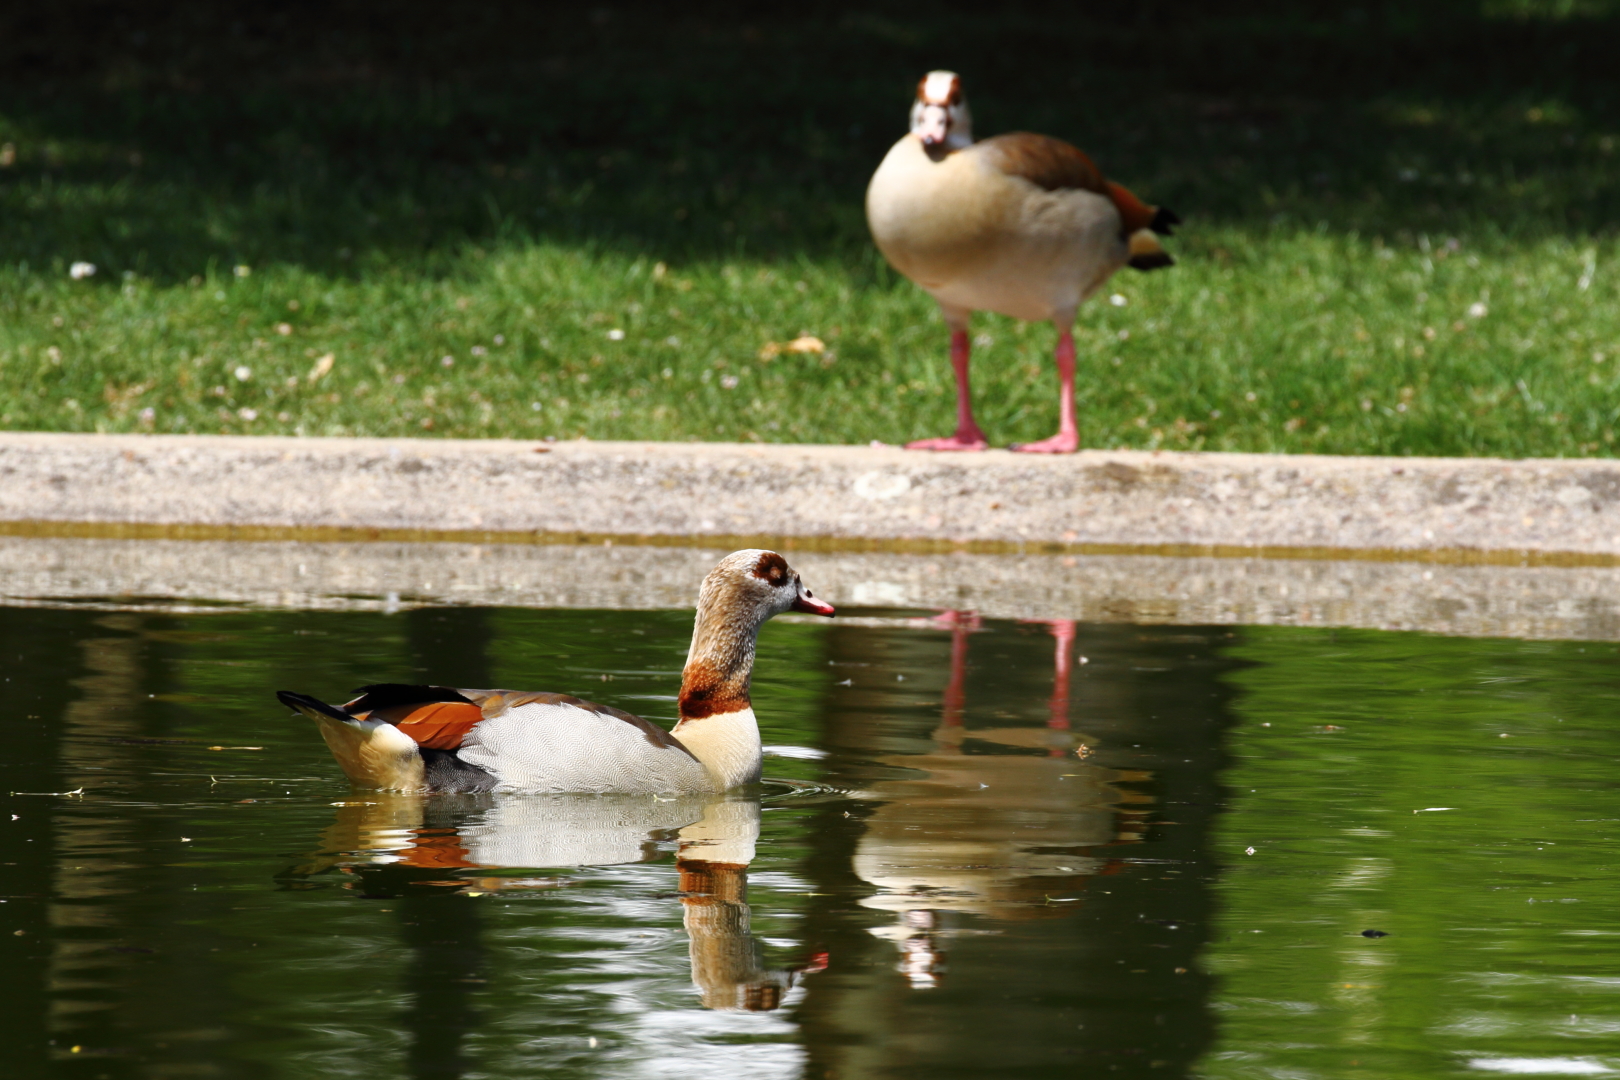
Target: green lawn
point(1399, 222)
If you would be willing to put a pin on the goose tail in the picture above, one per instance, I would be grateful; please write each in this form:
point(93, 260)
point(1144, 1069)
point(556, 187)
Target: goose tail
point(314, 708)
point(1147, 253)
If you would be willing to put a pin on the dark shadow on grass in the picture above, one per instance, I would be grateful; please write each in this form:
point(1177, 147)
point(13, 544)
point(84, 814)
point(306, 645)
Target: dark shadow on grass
point(358, 136)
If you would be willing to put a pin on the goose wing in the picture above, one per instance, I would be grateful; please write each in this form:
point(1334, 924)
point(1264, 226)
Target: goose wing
point(533, 741)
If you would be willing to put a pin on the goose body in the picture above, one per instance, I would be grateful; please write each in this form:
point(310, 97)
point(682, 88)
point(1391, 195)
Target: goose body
point(411, 738)
point(978, 237)
point(1023, 225)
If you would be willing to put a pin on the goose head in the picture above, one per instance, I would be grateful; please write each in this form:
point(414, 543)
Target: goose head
point(745, 589)
point(940, 116)
point(750, 586)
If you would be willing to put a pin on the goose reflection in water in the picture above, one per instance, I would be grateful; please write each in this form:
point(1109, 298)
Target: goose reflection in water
point(400, 843)
point(1008, 828)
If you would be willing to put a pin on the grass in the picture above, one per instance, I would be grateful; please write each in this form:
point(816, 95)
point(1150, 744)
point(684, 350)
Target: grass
point(540, 223)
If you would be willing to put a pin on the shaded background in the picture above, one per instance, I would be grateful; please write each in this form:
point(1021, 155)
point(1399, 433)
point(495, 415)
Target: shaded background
point(331, 134)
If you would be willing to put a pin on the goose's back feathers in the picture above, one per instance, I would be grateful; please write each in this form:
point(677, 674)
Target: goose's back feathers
point(1050, 164)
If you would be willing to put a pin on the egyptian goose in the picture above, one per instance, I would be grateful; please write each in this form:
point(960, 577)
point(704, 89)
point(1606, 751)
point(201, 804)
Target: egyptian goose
point(395, 737)
point(1024, 225)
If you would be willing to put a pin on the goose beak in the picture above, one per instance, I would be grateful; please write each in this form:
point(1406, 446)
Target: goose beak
point(932, 125)
point(811, 606)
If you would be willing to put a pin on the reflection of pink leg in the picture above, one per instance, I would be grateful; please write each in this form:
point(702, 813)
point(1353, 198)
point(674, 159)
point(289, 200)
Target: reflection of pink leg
point(1063, 630)
point(968, 436)
point(1067, 440)
point(956, 691)
point(1058, 707)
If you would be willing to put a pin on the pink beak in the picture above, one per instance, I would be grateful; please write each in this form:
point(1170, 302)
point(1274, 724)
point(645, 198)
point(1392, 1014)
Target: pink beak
point(811, 606)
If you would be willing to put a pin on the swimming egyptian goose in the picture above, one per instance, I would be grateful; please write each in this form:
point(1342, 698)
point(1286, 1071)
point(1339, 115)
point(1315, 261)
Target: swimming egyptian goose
point(1024, 225)
point(433, 738)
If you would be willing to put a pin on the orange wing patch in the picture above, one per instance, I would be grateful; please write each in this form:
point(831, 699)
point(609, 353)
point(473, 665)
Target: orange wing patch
point(440, 725)
point(1136, 213)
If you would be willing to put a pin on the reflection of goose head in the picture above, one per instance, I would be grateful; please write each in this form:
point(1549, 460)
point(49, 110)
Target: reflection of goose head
point(439, 835)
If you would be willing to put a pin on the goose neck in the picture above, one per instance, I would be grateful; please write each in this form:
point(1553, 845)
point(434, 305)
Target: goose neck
point(720, 663)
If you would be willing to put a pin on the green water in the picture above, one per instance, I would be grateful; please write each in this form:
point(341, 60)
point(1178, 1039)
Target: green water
point(970, 871)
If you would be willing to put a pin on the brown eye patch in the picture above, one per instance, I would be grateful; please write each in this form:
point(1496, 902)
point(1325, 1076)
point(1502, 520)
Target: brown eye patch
point(772, 568)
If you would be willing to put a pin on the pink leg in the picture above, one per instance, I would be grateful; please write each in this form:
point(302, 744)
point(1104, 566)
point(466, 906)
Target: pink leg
point(968, 436)
point(1067, 440)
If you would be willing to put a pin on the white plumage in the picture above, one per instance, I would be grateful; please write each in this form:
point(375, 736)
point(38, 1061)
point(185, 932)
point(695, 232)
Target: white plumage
point(544, 748)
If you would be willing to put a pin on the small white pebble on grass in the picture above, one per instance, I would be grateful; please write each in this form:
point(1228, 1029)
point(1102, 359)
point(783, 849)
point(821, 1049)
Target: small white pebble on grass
point(1250, 396)
point(479, 350)
point(668, 373)
point(247, 414)
point(1477, 310)
point(148, 415)
point(283, 328)
point(535, 406)
point(672, 341)
point(500, 339)
point(243, 271)
point(984, 341)
point(447, 361)
point(1248, 851)
point(729, 381)
point(243, 373)
point(1117, 300)
point(615, 335)
point(81, 270)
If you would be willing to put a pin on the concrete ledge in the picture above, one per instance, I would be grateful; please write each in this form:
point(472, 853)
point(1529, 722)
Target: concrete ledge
point(177, 575)
point(849, 494)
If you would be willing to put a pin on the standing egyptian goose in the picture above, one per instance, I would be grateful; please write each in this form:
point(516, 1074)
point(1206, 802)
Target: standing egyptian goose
point(433, 738)
point(1024, 225)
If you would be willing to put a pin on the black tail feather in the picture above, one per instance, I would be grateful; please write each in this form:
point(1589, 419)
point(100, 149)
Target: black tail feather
point(304, 704)
point(385, 695)
point(1152, 260)
point(1163, 218)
